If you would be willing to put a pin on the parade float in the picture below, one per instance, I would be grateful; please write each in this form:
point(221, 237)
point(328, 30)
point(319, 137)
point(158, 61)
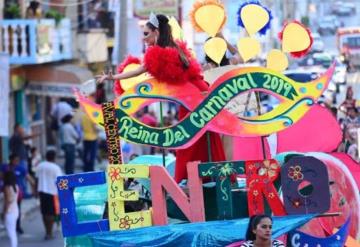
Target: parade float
point(312, 192)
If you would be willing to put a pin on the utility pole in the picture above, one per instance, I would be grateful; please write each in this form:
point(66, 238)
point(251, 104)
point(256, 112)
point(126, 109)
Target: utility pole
point(123, 29)
point(1, 10)
point(120, 44)
point(23, 6)
point(180, 14)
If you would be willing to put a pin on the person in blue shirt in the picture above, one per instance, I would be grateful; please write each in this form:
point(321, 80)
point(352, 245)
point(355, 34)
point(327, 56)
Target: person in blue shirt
point(21, 176)
point(17, 146)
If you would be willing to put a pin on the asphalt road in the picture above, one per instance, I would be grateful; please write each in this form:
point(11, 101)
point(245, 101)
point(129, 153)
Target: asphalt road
point(34, 233)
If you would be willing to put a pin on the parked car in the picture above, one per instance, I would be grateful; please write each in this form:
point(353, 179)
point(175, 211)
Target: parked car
point(318, 44)
point(339, 76)
point(328, 24)
point(320, 59)
point(343, 8)
point(302, 75)
point(351, 6)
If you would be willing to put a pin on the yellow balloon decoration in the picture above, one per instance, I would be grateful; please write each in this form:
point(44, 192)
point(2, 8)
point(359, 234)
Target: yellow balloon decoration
point(210, 18)
point(277, 60)
point(176, 30)
point(248, 48)
point(295, 38)
point(215, 48)
point(129, 83)
point(254, 17)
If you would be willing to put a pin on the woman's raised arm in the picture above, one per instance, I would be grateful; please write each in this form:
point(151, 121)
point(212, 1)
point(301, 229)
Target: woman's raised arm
point(124, 75)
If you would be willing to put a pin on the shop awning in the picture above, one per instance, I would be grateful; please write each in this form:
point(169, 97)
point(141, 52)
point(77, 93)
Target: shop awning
point(58, 80)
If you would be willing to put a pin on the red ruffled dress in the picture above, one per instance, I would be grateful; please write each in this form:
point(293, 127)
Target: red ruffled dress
point(165, 65)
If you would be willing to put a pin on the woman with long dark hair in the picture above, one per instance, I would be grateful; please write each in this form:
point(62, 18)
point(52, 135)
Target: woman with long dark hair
point(259, 231)
point(177, 66)
point(11, 210)
point(170, 61)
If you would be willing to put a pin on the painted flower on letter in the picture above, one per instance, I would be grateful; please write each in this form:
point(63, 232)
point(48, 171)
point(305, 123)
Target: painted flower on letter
point(297, 203)
point(114, 173)
point(125, 223)
point(63, 184)
point(269, 168)
point(295, 173)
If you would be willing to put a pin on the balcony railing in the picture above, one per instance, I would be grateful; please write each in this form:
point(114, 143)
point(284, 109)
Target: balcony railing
point(35, 41)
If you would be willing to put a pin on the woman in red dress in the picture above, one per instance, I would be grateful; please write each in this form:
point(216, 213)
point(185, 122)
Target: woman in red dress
point(170, 61)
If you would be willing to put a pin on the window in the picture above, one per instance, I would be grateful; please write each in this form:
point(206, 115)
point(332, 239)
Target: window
point(353, 42)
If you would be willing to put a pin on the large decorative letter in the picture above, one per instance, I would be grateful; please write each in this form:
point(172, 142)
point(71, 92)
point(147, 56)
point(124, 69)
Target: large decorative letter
point(305, 186)
point(161, 181)
point(222, 171)
point(260, 176)
point(69, 222)
point(118, 218)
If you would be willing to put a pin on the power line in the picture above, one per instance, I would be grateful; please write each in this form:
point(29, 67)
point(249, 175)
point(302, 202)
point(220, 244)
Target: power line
point(65, 4)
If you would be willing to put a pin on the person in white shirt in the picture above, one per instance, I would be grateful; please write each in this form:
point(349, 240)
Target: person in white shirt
point(11, 209)
point(69, 138)
point(61, 109)
point(47, 172)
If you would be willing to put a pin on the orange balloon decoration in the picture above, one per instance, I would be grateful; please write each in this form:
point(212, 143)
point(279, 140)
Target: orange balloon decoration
point(201, 21)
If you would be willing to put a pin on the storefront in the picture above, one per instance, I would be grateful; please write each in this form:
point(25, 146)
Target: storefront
point(4, 105)
point(41, 88)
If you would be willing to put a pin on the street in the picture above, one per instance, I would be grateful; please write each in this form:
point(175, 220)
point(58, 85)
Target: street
point(330, 41)
point(34, 233)
point(348, 21)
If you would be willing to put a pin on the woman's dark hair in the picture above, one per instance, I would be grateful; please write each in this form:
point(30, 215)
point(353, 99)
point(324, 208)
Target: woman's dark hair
point(34, 5)
point(67, 118)
point(10, 179)
point(50, 155)
point(224, 61)
point(13, 157)
point(165, 37)
point(253, 223)
point(348, 91)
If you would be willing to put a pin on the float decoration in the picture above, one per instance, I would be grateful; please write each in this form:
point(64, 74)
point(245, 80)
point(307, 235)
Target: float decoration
point(215, 48)
point(296, 39)
point(338, 239)
point(254, 17)
point(248, 48)
point(111, 130)
point(68, 215)
point(203, 13)
point(118, 218)
point(277, 60)
point(222, 172)
point(130, 63)
point(195, 234)
point(260, 178)
point(176, 30)
point(305, 186)
point(208, 113)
